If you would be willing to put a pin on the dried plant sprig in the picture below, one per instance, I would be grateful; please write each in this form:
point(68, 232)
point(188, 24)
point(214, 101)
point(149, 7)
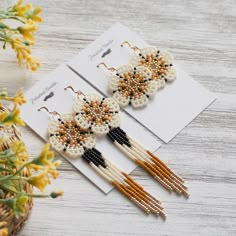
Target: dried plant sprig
point(21, 38)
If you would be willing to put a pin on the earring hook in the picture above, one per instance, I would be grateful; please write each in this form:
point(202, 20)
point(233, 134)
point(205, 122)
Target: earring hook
point(72, 89)
point(50, 112)
point(135, 48)
point(112, 69)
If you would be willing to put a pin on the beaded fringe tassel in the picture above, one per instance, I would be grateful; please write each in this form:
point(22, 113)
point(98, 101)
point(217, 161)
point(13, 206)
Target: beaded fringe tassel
point(148, 161)
point(123, 182)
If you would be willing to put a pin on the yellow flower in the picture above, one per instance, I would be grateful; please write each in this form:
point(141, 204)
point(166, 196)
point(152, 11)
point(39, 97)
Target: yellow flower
point(17, 204)
point(20, 204)
point(39, 181)
point(12, 117)
point(18, 98)
point(4, 232)
point(27, 30)
point(53, 173)
point(34, 14)
point(20, 9)
point(46, 158)
point(23, 54)
point(19, 149)
point(22, 51)
point(35, 167)
point(32, 63)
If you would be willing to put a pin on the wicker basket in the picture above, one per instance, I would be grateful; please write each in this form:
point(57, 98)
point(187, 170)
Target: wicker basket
point(6, 215)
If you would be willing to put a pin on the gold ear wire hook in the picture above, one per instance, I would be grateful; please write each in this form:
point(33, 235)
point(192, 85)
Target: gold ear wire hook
point(112, 69)
point(135, 48)
point(76, 92)
point(50, 112)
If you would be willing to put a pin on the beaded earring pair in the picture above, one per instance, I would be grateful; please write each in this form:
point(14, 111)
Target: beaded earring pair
point(148, 71)
point(74, 134)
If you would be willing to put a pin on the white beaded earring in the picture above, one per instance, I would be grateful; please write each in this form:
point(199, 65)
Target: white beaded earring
point(131, 85)
point(158, 62)
point(66, 135)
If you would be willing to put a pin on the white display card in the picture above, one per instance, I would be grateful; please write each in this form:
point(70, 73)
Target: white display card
point(170, 110)
point(49, 92)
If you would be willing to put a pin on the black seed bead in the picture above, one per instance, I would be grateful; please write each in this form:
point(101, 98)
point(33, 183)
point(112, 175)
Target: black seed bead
point(64, 149)
point(121, 131)
point(95, 150)
point(121, 139)
point(171, 65)
point(77, 113)
point(111, 137)
point(51, 135)
point(86, 158)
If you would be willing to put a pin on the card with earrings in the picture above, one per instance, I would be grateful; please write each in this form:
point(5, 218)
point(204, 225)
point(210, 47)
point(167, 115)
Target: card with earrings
point(49, 96)
point(145, 80)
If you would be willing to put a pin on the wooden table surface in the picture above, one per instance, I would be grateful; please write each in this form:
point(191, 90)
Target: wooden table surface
point(202, 36)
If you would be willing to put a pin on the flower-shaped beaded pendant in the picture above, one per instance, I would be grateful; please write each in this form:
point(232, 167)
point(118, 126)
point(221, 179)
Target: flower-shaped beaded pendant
point(132, 85)
point(158, 62)
point(67, 136)
point(97, 114)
